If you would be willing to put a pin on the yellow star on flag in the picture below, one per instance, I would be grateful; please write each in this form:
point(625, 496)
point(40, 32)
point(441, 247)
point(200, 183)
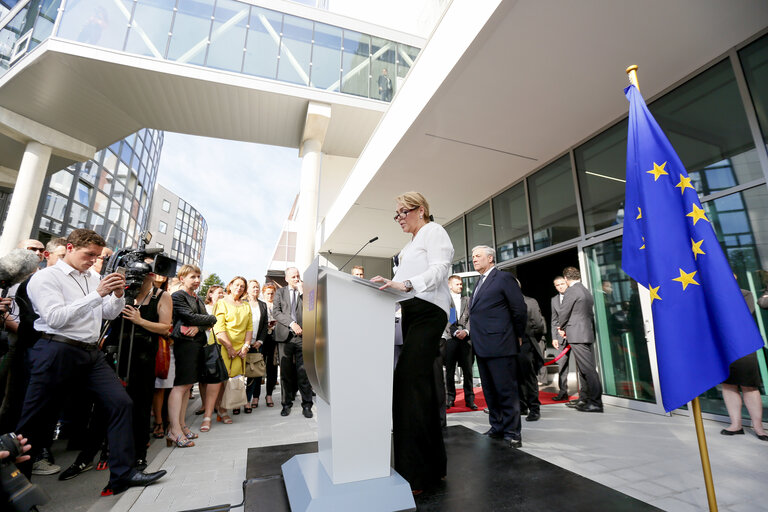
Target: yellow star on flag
point(639, 214)
point(696, 248)
point(684, 184)
point(697, 214)
point(643, 246)
point(657, 170)
point(685, 278)
point(654, 292)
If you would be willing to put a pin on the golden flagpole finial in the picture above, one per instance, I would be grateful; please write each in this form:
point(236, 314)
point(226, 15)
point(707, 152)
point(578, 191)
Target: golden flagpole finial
point(632, 75)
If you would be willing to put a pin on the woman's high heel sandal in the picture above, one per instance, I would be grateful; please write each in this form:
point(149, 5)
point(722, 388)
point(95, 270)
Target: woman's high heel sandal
point(180, 442)
point(188, 432)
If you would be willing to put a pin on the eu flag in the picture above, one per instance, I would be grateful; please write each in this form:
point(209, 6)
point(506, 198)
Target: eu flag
point(701, 321)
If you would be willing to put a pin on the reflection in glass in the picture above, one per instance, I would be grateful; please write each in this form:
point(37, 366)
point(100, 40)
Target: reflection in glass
point(624, 359)
point(510, 218)
point(45, 20)
point(553, 204)
point(96, 22)
point(295, 51)
point(479, 229)
point(12, 32)
point(62, 182)
point(754, 60)
point(356, 63)
point(190, 31)
point(100, 204)
point(383, 55)
point(77, 216)
point(456, 233)
point(96, 223)
point(149, 28)
point(405, 57)
point(228, 36)
point(83, 193)
point(326, 57)
point(263, 43)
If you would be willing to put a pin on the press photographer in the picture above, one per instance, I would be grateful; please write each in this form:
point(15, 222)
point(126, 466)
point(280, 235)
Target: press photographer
point(71, 301)
point(16, 492)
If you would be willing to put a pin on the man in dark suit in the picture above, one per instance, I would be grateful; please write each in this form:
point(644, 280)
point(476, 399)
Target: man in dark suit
point(559, 342)
point(576, 325)
point(458, 347)
point(288, 311)
point(530, 360)
point(497, 313)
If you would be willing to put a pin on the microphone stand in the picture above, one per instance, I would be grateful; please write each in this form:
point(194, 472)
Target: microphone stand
point(358, 252)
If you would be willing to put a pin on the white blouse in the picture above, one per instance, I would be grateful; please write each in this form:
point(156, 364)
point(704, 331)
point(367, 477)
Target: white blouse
point(426, 262)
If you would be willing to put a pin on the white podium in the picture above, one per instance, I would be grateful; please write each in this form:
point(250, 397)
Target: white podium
point(348, 344)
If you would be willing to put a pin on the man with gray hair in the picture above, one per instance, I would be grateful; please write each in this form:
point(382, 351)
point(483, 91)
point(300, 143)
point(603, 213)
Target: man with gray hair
point(497, 313)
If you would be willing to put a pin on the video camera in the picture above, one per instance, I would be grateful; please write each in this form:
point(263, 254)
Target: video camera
point(16, 490)
point(132, 263)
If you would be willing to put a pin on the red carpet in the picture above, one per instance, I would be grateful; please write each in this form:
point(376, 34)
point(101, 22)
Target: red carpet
point(459, 405)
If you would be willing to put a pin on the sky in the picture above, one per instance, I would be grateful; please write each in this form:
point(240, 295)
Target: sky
point(244, 191)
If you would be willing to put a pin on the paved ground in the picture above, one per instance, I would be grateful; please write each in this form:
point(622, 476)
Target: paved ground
point(653, 458)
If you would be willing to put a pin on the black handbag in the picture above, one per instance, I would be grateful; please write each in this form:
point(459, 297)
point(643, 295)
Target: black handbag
point(214, 369)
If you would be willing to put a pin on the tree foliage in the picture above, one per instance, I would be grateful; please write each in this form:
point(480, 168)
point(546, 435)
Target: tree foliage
point(211, 280)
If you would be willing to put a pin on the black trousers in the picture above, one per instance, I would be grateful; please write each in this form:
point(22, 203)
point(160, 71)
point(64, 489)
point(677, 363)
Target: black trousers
point(499, 380)
point(562, 373)
point(589, 381)
point(417, 437)
point(292, 367)
point(459, 352)
point(268, 351)
point(528, 384)
point(57, 368)
point(440, 384)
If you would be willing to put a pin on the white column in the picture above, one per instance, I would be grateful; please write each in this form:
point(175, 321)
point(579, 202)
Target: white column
point(308, 196)
point(26, 195)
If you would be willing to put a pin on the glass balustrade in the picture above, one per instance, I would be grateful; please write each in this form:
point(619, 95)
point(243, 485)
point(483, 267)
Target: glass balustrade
point(222, 34)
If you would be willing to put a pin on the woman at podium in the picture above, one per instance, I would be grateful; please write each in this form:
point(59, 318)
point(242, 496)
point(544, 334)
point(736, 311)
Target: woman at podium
point(421, 269)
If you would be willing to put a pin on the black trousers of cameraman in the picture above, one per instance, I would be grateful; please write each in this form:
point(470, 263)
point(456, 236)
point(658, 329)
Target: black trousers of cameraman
point(58, 368)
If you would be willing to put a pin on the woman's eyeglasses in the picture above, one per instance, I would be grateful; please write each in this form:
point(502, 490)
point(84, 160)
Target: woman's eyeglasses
point(403, 213)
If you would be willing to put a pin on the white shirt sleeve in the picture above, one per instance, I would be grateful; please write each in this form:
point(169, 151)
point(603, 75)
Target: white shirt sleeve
point(45, 293)
point(112, 306)
point(439, 255)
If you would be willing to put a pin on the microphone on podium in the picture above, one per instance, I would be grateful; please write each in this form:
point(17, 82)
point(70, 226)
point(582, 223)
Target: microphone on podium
point(358, 252)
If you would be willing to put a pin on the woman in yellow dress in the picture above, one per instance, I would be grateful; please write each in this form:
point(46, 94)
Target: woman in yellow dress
point(234, 330)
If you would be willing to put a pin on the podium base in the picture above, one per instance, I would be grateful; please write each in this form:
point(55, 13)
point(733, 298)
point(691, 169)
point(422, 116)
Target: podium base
point(310, 489)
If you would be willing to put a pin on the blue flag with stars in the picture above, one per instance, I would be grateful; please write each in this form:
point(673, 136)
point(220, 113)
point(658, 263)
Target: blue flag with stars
point(700, 319)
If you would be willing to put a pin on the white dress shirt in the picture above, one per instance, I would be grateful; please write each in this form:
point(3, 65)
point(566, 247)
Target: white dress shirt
point(426, 262)
point(256, 316)
point(68, 304)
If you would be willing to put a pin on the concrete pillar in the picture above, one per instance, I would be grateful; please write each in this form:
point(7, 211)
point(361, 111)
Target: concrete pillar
point(308, 196)
point(26, 195)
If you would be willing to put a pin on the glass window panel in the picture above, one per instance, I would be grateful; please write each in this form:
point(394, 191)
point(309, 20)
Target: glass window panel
point(705, 121)
point(45, 223)
point(326, 57)
point(405, 57)
point(228, 35)
point(150, 26)
point(89, 171)
point(754, 59)
point(624, 359)
point(55, 205)
point(110, 161)
point(131, 185)
point(124, 218)
point(554, 216)
point(295, 50)
point(100, 203)
point(263, 43)
point(166, 206)
point(105, 182)
point(162, 227)
point(132, 229)
point(114, 211)
point(126, 152)
point(62, 182)
point(455, 232)
point(356, 63)
point(191, 28)
point(118, 191)
point(96, 22)
point(12, 32)
point(510, 219)
point(383, 55)
point(77, 216)
point(45, 20)
point(479, 229)
point(83, 193)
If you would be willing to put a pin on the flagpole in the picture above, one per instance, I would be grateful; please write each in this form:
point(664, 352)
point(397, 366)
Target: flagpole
point(700, 435)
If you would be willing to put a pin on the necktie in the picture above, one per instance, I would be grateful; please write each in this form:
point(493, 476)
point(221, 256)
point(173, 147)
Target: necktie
point(561, 298)
point(452, 319)
point(477, 288)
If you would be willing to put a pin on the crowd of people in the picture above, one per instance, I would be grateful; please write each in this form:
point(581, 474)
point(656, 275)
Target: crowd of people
point(75, 326)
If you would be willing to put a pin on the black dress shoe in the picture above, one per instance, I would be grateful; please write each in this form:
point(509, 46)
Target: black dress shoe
point(75, 469)
point(472, 406)
point(493, 434)
point(513, 443)
point(762, 437)
point(307, 411)
point(286, 410)
point(575, 403)
point(141, 464)
point(560, 398)
point(449, 405)
point(137, 479)
point(589, 408)
point(524, 411)
point(733, 432)
point(533, 416)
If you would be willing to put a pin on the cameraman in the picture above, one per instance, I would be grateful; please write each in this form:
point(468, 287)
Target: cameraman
point(71, 302)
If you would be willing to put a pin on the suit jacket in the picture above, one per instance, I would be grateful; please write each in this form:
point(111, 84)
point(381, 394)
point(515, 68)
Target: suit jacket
point(498, 315)
point(187, 311)
point(281, 310)
point(462, 320)
point(555, 323)
point(535, 326)
point(260, 331)
point(576, 315)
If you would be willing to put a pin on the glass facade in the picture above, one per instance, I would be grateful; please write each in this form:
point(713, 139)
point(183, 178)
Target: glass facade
point(707, 120)
point(221, 34)
point(110, 194)
point(189, 234)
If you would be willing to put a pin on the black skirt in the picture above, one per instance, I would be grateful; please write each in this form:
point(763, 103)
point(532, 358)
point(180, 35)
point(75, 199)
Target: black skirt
point(189, 358)
point(745, 372)
point(417, 435)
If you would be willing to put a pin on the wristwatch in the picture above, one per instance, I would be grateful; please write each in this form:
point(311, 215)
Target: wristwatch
point(408, 285)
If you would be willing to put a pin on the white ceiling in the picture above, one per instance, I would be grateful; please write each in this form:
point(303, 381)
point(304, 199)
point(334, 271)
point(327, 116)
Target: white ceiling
point(539, 78)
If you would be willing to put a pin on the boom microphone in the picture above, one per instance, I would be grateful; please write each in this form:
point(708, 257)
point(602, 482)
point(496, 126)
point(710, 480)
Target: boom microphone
point(16, 266)
point(358, 252)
